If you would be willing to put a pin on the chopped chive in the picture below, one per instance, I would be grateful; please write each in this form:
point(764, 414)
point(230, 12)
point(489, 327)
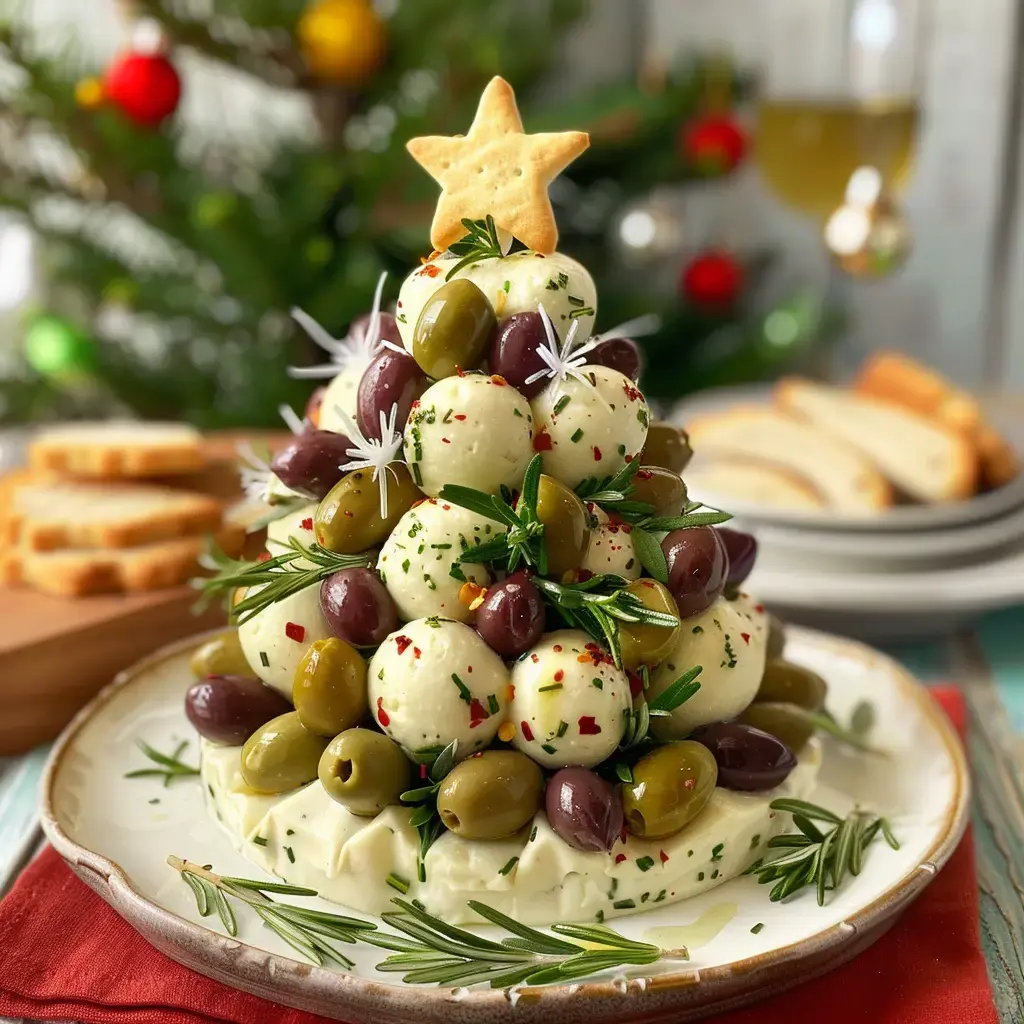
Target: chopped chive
point(645, 863)
point(584, 311)
point(259, 840)
point(755, 842)
point(547, 748)
point(492, 704)
point(714, 874)
point(716, 851)
point(697, 629)
point(562, 728)
point(447, 418)
point(516, 412)
point(624, 904)
point(155, 800)
point(599, 917)
point(660, 896)
point(574, 300)
point(757, 929)
point(431, 585)
point(646, 896)
point(405, 565)
point(505, 287)
point(397, 882)
point(550, 686)
point(563, 280)
point(577, 434)
point(416, 476)
point(291, 853)
point(463, 689)
point(290, 832)
point(264, 660)
point(509, 866)
point(599, 683)
point(533, 833)
point(700, 876)
point(561, 404)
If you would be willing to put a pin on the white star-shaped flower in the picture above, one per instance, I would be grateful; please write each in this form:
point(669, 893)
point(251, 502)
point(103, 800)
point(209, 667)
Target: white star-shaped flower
point(357, 348)
point(254, 470)
point(369, 453)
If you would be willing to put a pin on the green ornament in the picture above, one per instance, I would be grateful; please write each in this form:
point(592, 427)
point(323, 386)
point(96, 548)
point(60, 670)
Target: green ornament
point(55, 348)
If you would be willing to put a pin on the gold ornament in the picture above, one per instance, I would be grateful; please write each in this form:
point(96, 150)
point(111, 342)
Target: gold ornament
point(342, 40)
point(89, 93)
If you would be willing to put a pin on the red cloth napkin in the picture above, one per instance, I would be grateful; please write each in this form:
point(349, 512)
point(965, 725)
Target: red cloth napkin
point(65, 955)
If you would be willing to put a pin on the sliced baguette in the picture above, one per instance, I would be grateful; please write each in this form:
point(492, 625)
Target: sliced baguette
point(49, 515)
point(847, 481)
point(755, 483)
point(897, 378)
point(927, 461)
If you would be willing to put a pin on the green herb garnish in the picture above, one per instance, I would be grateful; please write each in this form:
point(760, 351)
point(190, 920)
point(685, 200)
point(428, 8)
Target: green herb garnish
point(170, 767)
point(638, 717)
point(480, 242)
point(424, 817)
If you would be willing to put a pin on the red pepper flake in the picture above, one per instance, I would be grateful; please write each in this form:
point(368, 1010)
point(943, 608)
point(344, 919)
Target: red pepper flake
point(458, 371)
point(542, 441)
point(631, 392)
point(588, 726)
point(477, 713)
point(619, 858)
point(460, 416)
point(307, 524)
point(746, 637)
point(524, 728)
point(295, 632)
point(416, 652)
point(399, 303)
point(758, 608)
point(264, 556)
point(629, 459)
point(447, 508)
point(382, 715)
point(511, 691)
point(423, 767)
point(557, 648)
point(496, 378)
point(445, 440)
point(689, 783)
point(591, 646)
point(664, 856)
point(644, 474)
point(636, 684)
point(402, 642)
point(582, 575)
point(469, 669)
point(597, 454)
point(349, 513)
point(415, 404)
point(559, 676)
point(430, 270)
point(534, 658)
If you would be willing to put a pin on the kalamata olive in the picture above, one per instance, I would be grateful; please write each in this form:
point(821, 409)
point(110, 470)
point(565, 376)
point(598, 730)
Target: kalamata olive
point(280, 755)
point(358, 607)
point(646, 644)
point(515, 352)
point(222, 655)
point(387, 327)
point(792, 684)
point(490, 796)
point(670, 787)
point(229, 709)
point(787, 722)
point(348, 519)
point(566, 525)
point(329, 692)
point(453, 329)
point(742, 551)
point(392, 378)
point(666, 446)
point(776, 637)
point(316, 400)
point(311, 462)
point(511, 619)
point(622, 354)
point(697, 568)
point(364, 771)
point(661, 488)
point(583, 809)
point(748, 759)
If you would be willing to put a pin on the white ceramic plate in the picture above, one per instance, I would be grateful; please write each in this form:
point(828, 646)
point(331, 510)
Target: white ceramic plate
point(116, 834)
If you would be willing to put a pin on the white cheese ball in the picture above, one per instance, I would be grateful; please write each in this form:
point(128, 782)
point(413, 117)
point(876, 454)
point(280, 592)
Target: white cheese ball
point(567, 711)
point(275, 640)
point(590, 429)
point(564, 287)
point(416, 560)
point(341, 394)
point(728, 641)
point(434, 681)
point(472, 430)
point(296, 524)
point(611, 547)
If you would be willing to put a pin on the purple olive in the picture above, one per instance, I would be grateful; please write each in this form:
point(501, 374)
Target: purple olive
point(748, 759)
point(742, 551)
point(311, 461)
point(583, 809)
point(698, 566)
point(622, 354)
point(391, 378)
point(511, 619)
point(229, 709)
point(515, 352)
point(388, 327)
point(358, 607)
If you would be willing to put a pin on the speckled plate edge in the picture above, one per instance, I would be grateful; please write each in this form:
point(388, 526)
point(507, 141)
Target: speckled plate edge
point(680, 996)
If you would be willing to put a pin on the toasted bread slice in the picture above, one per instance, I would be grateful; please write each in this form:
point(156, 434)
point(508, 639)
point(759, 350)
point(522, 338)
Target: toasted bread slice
point(117, 449)
point(755, 483)
point(48, 515)
point(927, 461)
point(903, 381)
point(847, 481)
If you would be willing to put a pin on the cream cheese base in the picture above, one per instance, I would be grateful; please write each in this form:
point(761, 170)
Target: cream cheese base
point(310, 840)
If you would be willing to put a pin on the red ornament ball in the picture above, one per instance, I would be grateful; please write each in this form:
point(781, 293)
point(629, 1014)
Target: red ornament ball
point(713, 145)
point(144, 86)
point(713, 280)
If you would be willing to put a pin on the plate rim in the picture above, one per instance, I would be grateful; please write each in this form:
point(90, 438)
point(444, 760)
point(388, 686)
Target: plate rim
point(272, 976)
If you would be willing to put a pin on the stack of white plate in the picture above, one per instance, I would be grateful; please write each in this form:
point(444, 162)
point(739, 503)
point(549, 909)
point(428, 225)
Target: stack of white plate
point(912, 571)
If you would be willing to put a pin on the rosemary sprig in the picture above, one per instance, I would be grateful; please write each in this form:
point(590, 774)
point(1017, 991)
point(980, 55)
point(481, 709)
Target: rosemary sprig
point(480, 242)
point(821, 857)
point(277, 577)
point(170, 765)
point(638, 718)
point(424, 817)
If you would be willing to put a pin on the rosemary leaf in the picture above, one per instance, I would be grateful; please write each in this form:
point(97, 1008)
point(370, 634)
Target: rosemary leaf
point(651, 556)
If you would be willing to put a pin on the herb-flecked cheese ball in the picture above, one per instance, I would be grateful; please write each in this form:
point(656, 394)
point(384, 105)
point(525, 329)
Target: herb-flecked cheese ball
point(298, 524)
point(416, 560)
point(590, 429)
point(611, 547)
point(275, 640)
point(568, 701)
point(469, 429)
point(341, 394)
point(433, 681)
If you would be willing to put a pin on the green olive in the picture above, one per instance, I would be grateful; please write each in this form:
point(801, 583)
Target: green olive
point(787, 722)
point(792, 684)
point(490, 795)
point(364, 771)
point(645, 644)
point(776, 637)
point(667, 446)
point(281, 755)
point(453, 329)
point(670, 787)
point(329, 690)
point(348, 519)
point(221, 656)
point(661, 488)
point(566, 525)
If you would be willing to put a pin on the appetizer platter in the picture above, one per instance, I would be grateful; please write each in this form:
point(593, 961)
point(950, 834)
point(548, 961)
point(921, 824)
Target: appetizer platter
point(497, 726)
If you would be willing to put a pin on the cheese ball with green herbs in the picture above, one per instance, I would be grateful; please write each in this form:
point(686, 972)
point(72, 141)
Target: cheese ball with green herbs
point(472, 430)
point(568, 701)
point(589, 429)
point(433, 681)
point(298, 524)
point(611, 547)
point(416, 561)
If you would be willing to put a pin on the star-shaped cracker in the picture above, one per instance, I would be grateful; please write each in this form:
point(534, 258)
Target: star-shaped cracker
point(499, 170)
